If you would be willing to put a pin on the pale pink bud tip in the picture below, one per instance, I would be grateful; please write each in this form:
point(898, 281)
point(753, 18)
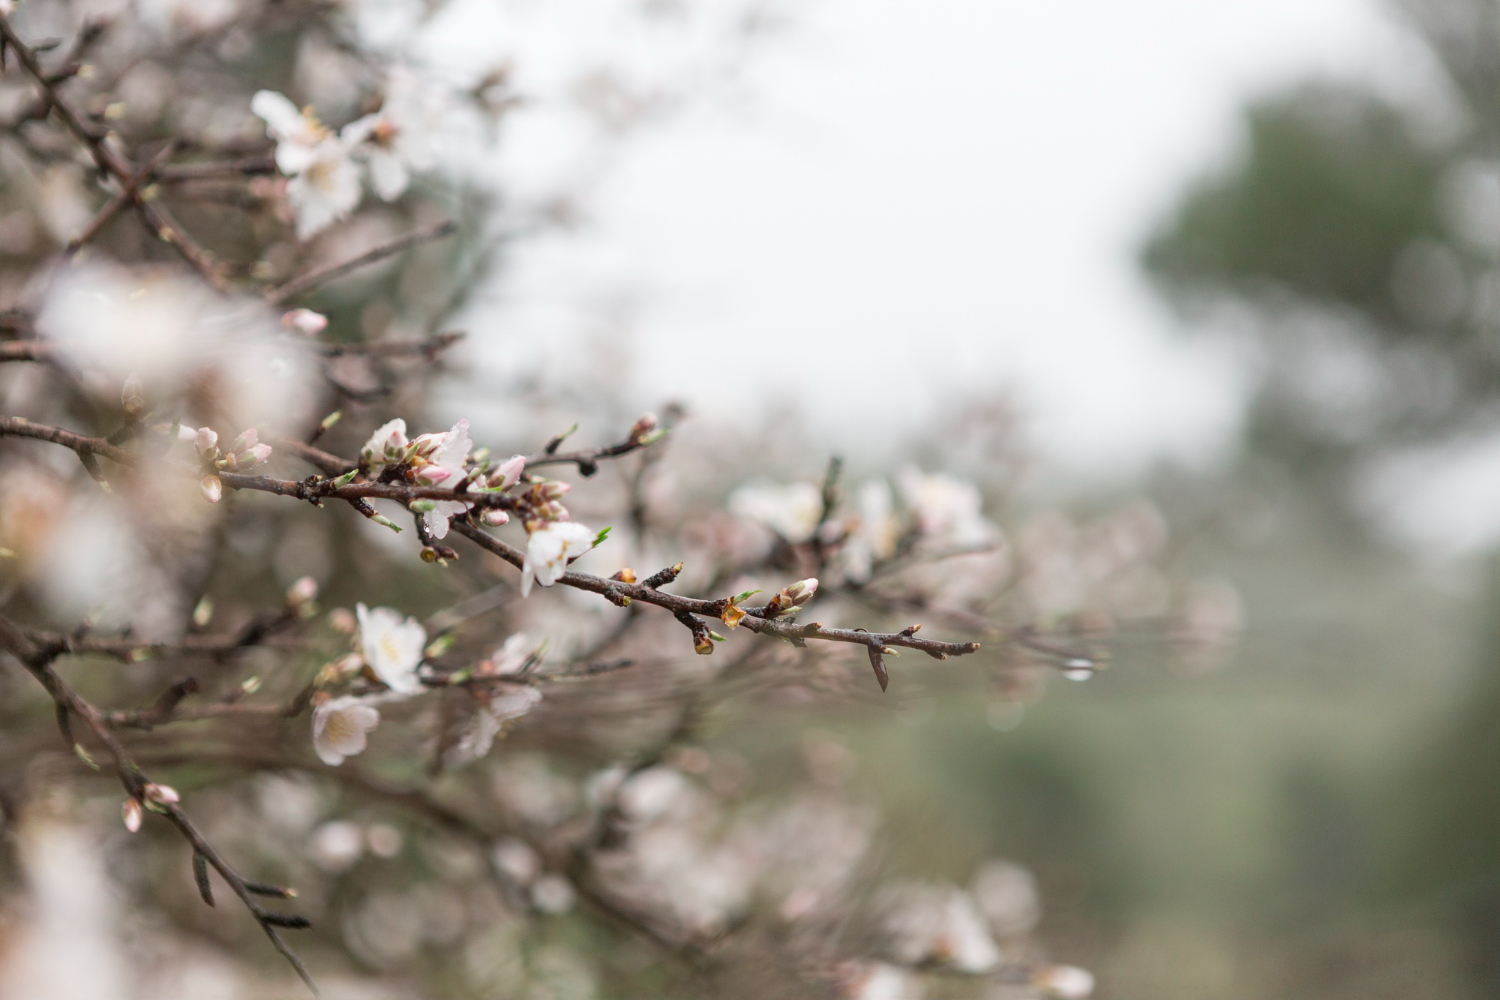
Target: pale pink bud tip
point(305, 321)
point(212, 487)
point(246, 440)
point(495, 518)
point(1065, 982)
point(162, 795)
point(130, 812)
point(206, 441)
point(304, 590)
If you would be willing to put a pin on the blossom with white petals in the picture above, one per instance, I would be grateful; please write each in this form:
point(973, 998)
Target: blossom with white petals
point(512, 657)
point(549, 549)
point(392, 646)
point(325, 179)
point(387, 445)
point(792, 511)
point(402, 136)
point(1065, 982)
point(341, 728)
point(946, 508)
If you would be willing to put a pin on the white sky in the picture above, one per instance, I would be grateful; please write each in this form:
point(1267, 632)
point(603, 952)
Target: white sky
point(928, 197)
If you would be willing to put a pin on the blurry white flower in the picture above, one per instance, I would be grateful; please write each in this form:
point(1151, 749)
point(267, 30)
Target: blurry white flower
point(1007, 895)
point(1065, 982)
point(383, 840)
point(392, 646)
point(650, 793)
point(514, 655)
point(872, 531)
point(336, 845)
point(341, 727)
point(516, 860)
point(553, 894)
point(179, 337)
point(548, 551)
point(386, 446)
point(931, 923)
point(305, 321)
point(130, 811)
point(502, 704)
point(297, 133)
point(402, 136)
point(947, 509)
point(792, 511)
point(325, 180)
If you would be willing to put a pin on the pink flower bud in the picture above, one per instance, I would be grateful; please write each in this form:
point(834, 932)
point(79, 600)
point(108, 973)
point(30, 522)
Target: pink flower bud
point(305, 322)
point(246, 440)
point(162, 795)
point(186, 433)
point(304, 590)
point(553, 491)
point(207, 442)
point(212, 487)
point(130, 812)
point(645, 425)
point(495, 517)
point(803, 590)
point(433, 475)
point(508, 473)
point(257, 455)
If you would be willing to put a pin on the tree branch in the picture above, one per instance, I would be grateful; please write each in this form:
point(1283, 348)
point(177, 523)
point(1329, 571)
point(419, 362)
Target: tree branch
point(296, 286)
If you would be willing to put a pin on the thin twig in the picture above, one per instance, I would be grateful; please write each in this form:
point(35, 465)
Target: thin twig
point(317, 276)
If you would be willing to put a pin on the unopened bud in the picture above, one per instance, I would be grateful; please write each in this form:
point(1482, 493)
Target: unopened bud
point(552, 490)
point(433, 475)
point(130, 812)
point(495, 517)
point(343, 620)
point(304, 590)
point(508, 473)
point(245, 441)
point(161, 795)
point(212, 487)
point(203, 613)
point(133, 396)
point(206, 441)
point(305, 322)
point(643, 426)
point(1064, 982)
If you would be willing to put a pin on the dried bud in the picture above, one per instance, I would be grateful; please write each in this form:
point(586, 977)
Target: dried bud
point(132, 396)
point(301, 592)
point(212, 487)
point(626, 575)
point(495, 517)
point(305, 322)
point(130, 812)
point(733, 615)
point(161, 795)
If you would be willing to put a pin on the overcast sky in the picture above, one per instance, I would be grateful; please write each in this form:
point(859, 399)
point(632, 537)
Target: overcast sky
point(927, 197)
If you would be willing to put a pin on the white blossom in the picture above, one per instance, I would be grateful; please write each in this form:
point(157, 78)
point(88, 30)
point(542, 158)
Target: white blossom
point(947, 509)
point(512, 657)
point(933, 923)
point(341, 728)
point(792, 510)
point(872, 531)
point(325, 179)
point(402, 136)
point(548, 551)
point(392, 647)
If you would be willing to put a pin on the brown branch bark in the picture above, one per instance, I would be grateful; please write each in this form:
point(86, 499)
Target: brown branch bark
point(296, 286)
